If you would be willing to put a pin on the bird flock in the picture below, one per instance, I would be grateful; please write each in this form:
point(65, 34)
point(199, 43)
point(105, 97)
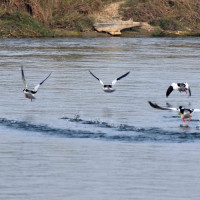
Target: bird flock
point(185, 113)
point(30, 94)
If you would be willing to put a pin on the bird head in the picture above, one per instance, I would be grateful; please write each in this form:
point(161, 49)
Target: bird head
point(181, 107)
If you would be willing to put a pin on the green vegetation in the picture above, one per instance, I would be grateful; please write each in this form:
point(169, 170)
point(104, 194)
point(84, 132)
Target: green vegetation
point(18, 24)
point(168, 24)
point(77, 14)
point(157, 32)
point(47, 18)
point(167, 15)
point(51, 18)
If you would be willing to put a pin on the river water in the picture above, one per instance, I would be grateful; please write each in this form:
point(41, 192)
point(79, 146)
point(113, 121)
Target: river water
point(76, 142)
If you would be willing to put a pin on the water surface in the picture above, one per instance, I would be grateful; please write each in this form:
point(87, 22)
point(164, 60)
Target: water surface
point(77, 142)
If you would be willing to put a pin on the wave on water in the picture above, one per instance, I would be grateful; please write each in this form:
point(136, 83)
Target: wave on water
point(178, 117)
point(120, 132)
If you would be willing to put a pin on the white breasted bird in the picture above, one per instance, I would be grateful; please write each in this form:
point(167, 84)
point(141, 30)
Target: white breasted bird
point(30, 94)
point(109, 88)
point(181, 87)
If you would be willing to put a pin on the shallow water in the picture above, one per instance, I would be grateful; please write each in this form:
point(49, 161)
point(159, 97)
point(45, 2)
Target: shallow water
point(77, 142)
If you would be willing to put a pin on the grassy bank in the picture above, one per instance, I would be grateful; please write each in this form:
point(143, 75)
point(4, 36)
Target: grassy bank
point(18, 24)
point(170, 17)
point(48, 18)
point(64, 18)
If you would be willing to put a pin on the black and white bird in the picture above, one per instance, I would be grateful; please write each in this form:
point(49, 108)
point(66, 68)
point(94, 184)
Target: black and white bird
point(109, 88)
point(30, 94)
point(185, 113)
point(181, 87)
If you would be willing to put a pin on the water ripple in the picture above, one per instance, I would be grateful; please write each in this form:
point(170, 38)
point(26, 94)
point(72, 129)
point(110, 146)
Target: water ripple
point(120, 132)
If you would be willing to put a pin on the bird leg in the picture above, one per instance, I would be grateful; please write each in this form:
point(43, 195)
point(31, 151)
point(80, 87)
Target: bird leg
point(183, 120)
point(186, 92)
point(189, 120)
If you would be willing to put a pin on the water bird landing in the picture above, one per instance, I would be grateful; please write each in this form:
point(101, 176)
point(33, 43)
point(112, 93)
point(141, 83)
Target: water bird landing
point(185, 113)
point(30, 94)
point(109, 88)
point(181, 87)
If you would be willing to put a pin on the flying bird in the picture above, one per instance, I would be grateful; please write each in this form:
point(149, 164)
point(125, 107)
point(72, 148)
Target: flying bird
point(181, 87)
point(30, 94)
point(109, 88)
point(185, 113)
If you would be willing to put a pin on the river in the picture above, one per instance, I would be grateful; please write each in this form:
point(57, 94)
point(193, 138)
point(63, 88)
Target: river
point(75, 141)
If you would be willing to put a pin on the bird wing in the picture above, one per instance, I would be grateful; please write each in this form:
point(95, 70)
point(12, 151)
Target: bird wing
point(37, 86)
point(23, 78)
point(169, 90)
point(196, 110)
point(154, 105)
point(96, 78)
point(117, 79)
point(173, 86)
point(189, 90)
point(188, 87)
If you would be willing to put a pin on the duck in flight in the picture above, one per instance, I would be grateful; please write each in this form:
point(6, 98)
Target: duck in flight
point(30, 94)
point(181, 87)
point(109, 88)
point(185, 113)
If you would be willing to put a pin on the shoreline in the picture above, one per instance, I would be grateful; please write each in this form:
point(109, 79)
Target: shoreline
point(118, 17)
point(95, 34)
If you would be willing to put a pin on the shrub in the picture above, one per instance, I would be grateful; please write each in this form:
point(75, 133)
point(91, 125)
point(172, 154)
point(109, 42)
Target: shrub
point(174, 14)
point(17, 24)
point(168, 24)
point(157, 32)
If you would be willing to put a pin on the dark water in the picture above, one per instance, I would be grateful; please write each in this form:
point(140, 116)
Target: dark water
point(77, 142)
